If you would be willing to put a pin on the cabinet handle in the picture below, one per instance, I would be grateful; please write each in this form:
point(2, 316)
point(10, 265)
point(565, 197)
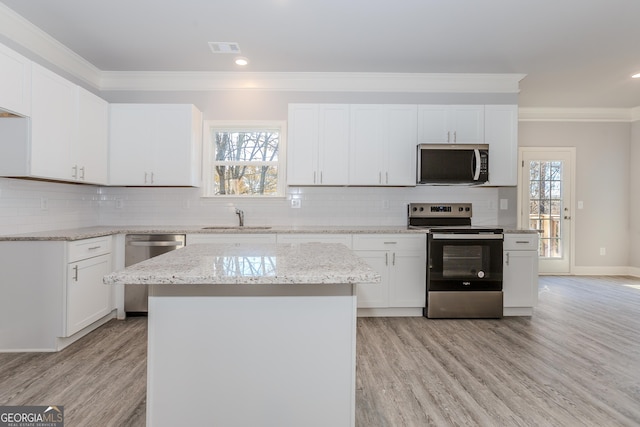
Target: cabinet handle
point(314, 177)
point(320, 177)
point(93, 248)
point(455, 136)
point(448, 136)
point(507, 260)
point(386, 259)
point(74, 175)
point(152, 177)
point(522, 241)
point(393, 259)
point(75, 276)
point(379, 177)
point(145, 177)
point(82, 173)
point(386, 174)
point(390, 243)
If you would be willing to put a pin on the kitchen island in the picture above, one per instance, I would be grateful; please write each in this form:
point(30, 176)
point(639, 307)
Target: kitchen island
point(248, 334)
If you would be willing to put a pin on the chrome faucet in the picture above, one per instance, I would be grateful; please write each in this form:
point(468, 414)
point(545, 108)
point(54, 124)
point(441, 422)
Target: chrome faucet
point(240, 214)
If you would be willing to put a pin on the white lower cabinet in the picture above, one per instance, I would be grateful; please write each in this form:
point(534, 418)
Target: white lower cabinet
point(230, 238)
point(295, 238)
point(52, 292)
point(520, 273)
point(400, 259)
point(88, 299)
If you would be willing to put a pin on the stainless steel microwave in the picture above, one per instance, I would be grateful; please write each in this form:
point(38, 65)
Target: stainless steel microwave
point(451, 164)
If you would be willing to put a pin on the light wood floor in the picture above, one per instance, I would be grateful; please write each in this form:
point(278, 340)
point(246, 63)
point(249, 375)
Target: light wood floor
point(576, 362)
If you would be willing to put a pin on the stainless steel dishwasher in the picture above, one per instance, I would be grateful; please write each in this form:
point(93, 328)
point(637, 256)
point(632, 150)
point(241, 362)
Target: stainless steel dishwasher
point(139, 247)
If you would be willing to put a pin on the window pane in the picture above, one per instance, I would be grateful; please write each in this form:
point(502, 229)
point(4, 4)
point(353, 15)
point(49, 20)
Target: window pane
point(246, 180)
point(246, 146)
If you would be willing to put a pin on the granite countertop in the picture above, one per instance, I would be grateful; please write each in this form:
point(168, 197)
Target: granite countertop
point(99, 231)
point(211, 264)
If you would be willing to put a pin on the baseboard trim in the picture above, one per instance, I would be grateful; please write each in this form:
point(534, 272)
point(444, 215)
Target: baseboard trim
point(604, 271)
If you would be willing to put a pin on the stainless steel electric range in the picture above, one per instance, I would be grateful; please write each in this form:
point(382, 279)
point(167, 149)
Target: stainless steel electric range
point(464, 262)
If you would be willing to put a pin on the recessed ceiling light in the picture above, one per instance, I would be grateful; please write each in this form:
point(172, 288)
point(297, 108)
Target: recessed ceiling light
point(636, 76)
point(241, 60)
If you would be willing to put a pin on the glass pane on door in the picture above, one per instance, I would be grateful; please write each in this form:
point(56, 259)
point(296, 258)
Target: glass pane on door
point(545, 205)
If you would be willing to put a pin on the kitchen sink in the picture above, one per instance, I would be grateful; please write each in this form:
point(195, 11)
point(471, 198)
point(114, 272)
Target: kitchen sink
point(236, 227)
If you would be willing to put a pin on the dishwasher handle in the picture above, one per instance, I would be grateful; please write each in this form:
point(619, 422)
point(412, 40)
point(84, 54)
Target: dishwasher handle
point(156, 243)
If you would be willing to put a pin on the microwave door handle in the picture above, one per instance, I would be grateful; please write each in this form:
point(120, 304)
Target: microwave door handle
point(476, 160)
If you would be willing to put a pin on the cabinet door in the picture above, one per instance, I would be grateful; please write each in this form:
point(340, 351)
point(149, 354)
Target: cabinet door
point(130, 127)
point(15, 82)
point(520, 278)
point(366, 145)
point(501, 133)
point(407, 282)
point(451, 124)
point(432, 124)
point(90, 149)
point(466, 123)
point(302, 144)
point(333, 145)
point(53, 124)
point(88, 299)
point(171, 145)
point(401, 142)
point(374, 295)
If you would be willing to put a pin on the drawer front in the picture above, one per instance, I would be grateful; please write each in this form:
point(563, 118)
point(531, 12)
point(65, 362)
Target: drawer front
point(389, 242)
point(521, 242)
point(88, 248)
point(295, 238)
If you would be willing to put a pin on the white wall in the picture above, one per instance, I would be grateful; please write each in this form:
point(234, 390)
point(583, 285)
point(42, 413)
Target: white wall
point(634, 198)
point(602, 184)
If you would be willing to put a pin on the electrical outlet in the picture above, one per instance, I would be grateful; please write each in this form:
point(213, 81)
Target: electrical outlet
point(119, 203)
point(603, 251)
point(504, 204)
point(296, 203)
point(44, 203)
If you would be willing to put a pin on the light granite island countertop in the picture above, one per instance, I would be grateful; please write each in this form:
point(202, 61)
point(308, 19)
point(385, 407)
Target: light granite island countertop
point(249, 334)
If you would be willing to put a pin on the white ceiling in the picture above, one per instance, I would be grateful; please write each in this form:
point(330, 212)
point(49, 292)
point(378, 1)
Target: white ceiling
point(576, 53)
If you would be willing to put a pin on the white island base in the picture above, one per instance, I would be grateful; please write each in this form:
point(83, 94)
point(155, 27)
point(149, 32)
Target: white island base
point(251, 355)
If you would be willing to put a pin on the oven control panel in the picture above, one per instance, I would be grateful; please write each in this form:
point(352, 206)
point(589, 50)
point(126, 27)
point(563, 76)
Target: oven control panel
point(440, 210)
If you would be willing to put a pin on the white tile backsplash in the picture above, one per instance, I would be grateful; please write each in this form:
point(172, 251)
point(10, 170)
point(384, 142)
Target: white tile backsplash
point(71, 206)
point(22, 208)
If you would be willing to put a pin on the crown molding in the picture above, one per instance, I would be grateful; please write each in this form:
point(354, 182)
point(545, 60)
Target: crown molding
point(578, 114)
point(32, 38)
point(310, 81)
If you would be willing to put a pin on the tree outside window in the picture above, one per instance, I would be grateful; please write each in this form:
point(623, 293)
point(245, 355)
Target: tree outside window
point(244, 161)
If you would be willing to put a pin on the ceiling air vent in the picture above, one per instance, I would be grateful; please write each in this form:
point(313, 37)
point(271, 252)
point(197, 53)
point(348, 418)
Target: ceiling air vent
point(224, 47)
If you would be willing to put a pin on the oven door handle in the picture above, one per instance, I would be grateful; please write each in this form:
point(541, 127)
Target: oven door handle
point(459, 236)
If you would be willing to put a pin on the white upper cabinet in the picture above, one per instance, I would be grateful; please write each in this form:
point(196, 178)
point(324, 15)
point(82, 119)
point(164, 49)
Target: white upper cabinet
point(318, 144)
point(53, 124)
point(90, 150)
point(501, 133)
point(451, 124)
point(65, 138)
point(15, 82)
point(382, 145)
point(155, 145)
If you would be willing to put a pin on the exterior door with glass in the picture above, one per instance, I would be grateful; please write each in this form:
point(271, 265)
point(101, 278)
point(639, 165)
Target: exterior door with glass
point(545, 195)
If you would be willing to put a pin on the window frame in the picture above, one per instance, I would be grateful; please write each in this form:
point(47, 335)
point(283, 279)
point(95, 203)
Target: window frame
point(208, 177)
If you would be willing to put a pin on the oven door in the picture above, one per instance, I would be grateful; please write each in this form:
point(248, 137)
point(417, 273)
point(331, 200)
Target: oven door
point(464, 262)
